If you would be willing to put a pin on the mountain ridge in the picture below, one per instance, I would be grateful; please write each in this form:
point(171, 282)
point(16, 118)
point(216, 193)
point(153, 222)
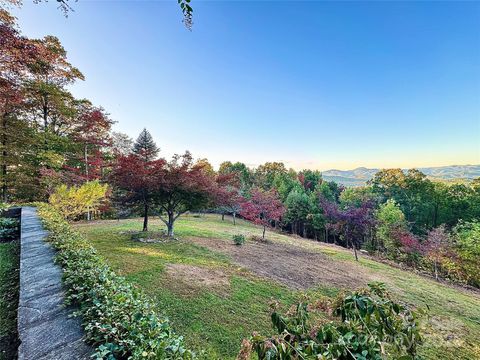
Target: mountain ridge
point(359, 176)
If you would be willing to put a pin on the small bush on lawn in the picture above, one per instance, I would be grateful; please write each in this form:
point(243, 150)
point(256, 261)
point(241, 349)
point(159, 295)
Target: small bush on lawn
point(363, 325)
point(239, 239)
point(117, 318)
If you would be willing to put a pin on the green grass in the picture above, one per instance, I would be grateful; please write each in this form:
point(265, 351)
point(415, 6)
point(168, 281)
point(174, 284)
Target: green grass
point(216, 318)
point(8, 299)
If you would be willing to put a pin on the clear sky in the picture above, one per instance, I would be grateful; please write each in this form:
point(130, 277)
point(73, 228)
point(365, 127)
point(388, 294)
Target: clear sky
point(313, 84)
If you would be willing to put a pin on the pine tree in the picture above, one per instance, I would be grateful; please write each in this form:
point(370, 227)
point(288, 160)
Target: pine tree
point(145, 146)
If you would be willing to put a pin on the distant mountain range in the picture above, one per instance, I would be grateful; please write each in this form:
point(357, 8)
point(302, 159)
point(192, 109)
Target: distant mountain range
point(359, 176)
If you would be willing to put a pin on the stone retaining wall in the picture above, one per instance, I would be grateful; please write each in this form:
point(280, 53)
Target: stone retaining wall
point(45, 329)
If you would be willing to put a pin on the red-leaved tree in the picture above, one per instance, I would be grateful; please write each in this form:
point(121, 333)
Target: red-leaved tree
point(139, 181)
point(17, 53)
point(184, 186)
point(229, 201)
point(263, 208)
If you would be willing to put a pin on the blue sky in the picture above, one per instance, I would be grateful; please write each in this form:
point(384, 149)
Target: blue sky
point(314, 84)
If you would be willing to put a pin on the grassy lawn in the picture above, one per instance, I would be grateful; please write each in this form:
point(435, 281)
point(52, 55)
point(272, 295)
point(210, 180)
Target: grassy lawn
point(9, 253)
point(215, 303)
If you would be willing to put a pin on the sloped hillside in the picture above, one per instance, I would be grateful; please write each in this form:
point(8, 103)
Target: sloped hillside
point(217, 293)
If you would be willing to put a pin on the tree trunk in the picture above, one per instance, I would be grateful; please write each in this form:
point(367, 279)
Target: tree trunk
point(171, 220)
point(145, 217)
point(234, 215)
point(4, 158)
point(86, 161)
point(223, 217)
point(355, 252)
point(263, 235)
point(45, 122)
point(436, 270)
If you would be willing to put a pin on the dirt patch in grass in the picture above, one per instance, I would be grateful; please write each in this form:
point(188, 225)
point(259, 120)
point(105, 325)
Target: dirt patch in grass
point(293, 266)
point(199, 276)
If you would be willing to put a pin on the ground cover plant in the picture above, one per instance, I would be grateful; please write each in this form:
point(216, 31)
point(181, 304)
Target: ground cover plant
point(117, 318)
point(8, 229)
point(9, 285)
point(365, 324)
point(217, 294)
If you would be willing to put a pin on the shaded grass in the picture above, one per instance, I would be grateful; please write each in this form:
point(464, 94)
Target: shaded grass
point(217, 318)
point(9, 266)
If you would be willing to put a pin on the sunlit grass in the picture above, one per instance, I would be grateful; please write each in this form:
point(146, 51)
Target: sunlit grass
point(217, 318)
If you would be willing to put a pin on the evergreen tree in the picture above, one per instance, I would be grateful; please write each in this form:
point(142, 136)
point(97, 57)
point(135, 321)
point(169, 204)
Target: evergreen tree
point(145, 147)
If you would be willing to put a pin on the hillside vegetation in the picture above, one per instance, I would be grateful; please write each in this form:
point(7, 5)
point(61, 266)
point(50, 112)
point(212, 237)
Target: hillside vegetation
point(217, 293)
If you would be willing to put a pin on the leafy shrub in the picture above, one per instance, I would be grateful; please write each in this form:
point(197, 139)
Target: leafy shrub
point(8, 228)
point(365, 324)
point(117, 318)
point(239, 239)
point(3, 207)
point(72, 202)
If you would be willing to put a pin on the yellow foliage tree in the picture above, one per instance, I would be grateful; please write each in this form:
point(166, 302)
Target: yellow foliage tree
point(74, 201)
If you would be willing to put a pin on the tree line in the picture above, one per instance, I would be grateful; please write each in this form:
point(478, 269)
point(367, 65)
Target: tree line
point(58, 148)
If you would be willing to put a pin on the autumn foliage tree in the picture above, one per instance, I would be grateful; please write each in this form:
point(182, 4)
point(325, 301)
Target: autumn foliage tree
point(138, 181)
point(184, 186)
point(353, 224)
point(92, 135)
point(229, 201)
point(74, 201)
point(17, 53)
point(46, 133)
point(263, 208)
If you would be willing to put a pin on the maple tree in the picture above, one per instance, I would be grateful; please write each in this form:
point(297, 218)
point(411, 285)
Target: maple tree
point(353, 224)
point(229, 201)
point(263, 208)
point(138, 181)
point(184, 186)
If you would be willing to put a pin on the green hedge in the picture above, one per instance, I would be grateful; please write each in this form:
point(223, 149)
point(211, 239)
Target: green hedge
point(117, 318)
